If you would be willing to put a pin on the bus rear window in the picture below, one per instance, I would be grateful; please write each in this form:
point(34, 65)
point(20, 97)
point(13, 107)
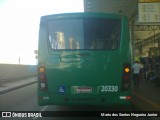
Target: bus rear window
point(84, 34)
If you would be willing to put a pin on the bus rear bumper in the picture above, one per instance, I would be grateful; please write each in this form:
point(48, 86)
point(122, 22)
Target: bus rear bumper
point(123, 99)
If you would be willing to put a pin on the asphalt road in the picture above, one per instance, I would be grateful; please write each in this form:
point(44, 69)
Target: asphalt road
point(25, 99)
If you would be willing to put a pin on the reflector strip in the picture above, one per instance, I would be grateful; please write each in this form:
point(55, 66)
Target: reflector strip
point(125, 97)
point(122, 97)
point(128, 97)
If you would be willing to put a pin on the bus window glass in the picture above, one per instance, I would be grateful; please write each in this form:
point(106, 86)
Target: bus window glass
point(84, 34)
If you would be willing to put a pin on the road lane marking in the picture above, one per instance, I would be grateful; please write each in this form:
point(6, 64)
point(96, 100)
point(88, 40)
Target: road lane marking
point(43, 109)
point(156, 106)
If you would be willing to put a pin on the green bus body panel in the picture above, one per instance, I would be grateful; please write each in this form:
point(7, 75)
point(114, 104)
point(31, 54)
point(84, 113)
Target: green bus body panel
point(93, 69)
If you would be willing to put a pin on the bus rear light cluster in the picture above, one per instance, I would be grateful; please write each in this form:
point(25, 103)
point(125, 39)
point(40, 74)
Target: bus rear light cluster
point(126, 77)
point(42, 80)
point(125, 97)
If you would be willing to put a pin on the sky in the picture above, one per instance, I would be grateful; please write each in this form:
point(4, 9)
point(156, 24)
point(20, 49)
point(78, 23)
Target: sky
point(19, 26)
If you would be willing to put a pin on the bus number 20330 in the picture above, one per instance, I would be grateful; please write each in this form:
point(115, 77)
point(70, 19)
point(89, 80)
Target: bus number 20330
point(108, 88)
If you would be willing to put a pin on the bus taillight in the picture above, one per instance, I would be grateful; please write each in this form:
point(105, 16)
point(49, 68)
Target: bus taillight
point(126, 69)
point(42, 80)
point(41, 69)
point(126, 77)
point(42, 77)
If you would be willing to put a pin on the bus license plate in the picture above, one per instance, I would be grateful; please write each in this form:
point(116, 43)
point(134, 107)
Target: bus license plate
point(82, 89)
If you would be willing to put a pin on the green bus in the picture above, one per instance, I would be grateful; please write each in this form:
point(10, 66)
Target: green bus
point(84, 59)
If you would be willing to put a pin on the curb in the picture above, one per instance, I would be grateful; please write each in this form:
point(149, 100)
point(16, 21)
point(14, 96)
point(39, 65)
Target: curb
point(17, 77)
point(17, 87)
